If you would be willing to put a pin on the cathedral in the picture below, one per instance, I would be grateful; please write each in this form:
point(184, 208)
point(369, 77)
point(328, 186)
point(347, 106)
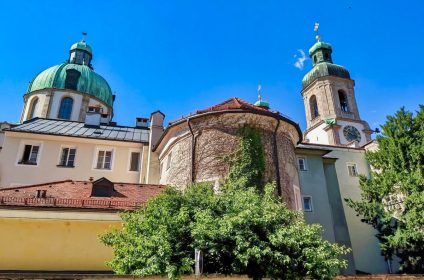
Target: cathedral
point(67, 168)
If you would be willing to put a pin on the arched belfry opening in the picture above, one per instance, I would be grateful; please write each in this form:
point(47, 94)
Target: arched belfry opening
point(344, 104)
point(313, 105)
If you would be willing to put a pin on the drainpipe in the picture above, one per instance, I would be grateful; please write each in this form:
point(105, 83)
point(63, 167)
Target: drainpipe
point(277, 163)
point(193, 150)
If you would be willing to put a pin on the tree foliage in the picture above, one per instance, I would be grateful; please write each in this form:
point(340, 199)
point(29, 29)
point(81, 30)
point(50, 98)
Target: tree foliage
point(398, 169)
point(240, 230)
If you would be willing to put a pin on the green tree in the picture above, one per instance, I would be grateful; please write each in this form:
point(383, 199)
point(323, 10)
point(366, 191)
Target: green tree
point(240, 230)
point(398, 171)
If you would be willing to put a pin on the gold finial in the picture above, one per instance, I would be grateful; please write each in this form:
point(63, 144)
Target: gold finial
point(316, 27)
point(84, 34)
point(259, 92)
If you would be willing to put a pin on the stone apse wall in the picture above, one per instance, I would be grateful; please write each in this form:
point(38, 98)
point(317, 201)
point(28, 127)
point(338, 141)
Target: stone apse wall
point(216, 136)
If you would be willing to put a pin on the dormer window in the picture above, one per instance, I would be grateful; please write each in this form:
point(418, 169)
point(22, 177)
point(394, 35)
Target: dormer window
point(102, 188)
point(72, 77)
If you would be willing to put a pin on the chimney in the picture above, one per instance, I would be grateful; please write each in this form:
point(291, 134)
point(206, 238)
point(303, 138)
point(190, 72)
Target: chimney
point(92, 119)
point(141, 122)
point(156, 126)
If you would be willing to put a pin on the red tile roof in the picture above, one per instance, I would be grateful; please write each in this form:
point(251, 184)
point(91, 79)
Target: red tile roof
point(235, 103)
point(77, 194)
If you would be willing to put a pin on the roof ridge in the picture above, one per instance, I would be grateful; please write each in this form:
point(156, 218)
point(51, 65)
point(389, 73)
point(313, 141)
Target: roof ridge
point(36, 185)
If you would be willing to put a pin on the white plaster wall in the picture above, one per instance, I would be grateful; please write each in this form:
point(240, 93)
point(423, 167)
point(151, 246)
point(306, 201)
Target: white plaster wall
point(318, 135)
point(56, 100)
point(41, 101)
point(47, 170)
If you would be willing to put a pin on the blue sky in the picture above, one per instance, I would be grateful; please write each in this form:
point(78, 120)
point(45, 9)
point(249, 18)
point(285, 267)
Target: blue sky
point(179, 56)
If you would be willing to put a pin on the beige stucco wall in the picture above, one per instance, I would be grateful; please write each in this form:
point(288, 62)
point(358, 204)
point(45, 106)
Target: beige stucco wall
point(12, 173)
point(58, 240)
point(216, 137)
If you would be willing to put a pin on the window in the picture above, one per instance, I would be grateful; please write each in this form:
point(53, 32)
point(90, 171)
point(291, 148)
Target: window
point(307, 203)
point(315, 59)
point(168, 162)
point(30, 155)
point(344, 106)
point(33, 108)
point(313, 106)
point(353, 171)
point(95, 109)
point(302, 164)
point(134, 161)
point(72, 77)
point(65, 109)
point(104, 159)
point(68, 157)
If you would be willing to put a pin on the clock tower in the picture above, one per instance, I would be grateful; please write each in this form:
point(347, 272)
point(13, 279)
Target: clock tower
point(328, 93)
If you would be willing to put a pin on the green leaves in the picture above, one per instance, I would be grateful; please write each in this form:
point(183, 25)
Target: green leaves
point(243, 229)
point(398, 169)
point(239, 231)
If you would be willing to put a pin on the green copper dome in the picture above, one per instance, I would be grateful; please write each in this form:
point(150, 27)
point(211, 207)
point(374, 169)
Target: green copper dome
point(319, 45)
point(88, 82)
point(324, 69)
point(323, 65)
point(261, 103)
point(82, 45)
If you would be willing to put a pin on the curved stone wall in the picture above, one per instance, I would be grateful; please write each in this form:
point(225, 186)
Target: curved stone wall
point(214, 137)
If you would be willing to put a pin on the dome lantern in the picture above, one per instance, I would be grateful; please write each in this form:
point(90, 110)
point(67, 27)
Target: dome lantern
point(81, 53)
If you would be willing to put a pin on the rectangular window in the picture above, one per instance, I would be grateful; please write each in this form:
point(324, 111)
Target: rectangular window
point(68, 157)
point(168, 163)
point(307, 203)
point(104, 159)
point(302, 164)
point(30, 155)
point(135, 161)
point(353, 171)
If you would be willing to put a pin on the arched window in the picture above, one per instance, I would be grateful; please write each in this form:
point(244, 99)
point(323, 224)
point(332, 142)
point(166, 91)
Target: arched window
point(65, 109)
point(33, 108)
point(315, 59)
point(72, 77)
point(313, 106)
point(344, 105)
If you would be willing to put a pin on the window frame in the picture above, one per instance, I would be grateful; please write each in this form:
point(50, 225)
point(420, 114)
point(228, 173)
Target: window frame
point(67, 160)
point(131, 151)
point(305, 165)
point(313, 107)
point(352, 164)
point(60, 107)
point(21, 150)
point(105, 149)
point(311, 208)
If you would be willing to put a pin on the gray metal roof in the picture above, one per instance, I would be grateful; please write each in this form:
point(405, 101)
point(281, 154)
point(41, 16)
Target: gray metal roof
point(78, 129)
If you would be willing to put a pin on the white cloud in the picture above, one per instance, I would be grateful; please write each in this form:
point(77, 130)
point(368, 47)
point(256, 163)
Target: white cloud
point(300, 60)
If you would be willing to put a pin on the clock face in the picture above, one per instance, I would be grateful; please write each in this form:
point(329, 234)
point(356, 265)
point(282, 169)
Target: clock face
point(351, 133)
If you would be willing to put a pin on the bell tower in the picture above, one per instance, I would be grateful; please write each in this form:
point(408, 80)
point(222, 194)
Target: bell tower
point(332, 115)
